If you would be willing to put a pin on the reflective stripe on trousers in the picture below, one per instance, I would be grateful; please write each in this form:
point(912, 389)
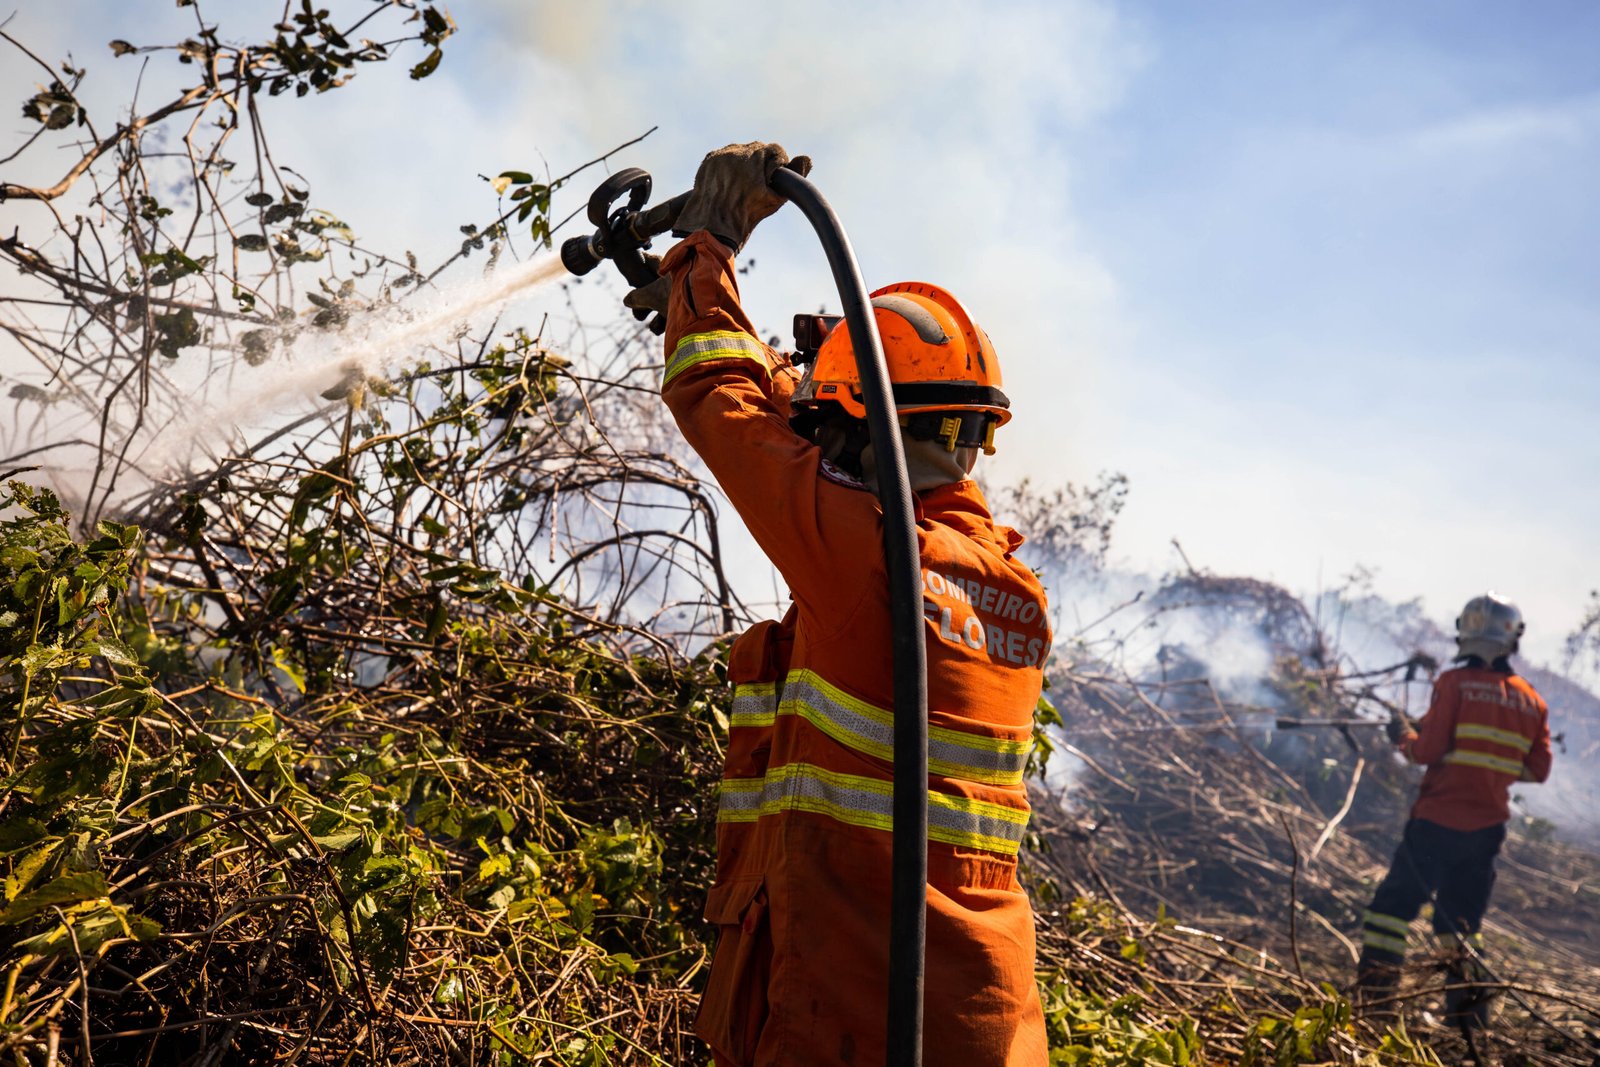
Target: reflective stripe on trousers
point(1386, 933)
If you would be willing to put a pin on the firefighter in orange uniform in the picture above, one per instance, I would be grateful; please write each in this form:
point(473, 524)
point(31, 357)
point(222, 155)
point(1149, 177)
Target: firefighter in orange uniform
point(801, 898)
point(1485, 729)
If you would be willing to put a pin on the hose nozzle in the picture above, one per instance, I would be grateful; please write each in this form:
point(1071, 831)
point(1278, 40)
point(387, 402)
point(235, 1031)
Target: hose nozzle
point(622, 234)
point(580, 255)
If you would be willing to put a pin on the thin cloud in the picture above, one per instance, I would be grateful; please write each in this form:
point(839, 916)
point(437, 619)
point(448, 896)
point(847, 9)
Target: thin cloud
point(1563, 124)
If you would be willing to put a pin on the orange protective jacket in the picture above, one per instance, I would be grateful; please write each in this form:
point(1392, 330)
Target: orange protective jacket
point(801, 897)
point(1484, 730)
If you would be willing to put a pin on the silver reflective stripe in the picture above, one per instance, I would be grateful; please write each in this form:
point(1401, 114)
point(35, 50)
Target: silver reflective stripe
point(697, 348)
point(868, 802)
point(975, 824)
point(741, 800)
point(1497, 736)
point(753, 704)
point(870, 729)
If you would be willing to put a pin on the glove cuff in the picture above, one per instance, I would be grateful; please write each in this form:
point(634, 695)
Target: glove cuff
point(723, 227)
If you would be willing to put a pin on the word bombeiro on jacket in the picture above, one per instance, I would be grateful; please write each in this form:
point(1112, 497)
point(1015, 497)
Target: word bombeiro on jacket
point(802, 891)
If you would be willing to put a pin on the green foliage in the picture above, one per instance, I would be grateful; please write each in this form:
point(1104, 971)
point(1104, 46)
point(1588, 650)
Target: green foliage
point(311, 53)
point(54, 596)
point(506, 834)
point(1095, 1020)
point(54, 107)
point(56, 624)
point(1316, 1030)
point(530, 199)
point(177, 330)
point(1303, 1037)
point(1045, 716)
point(1087, 1029)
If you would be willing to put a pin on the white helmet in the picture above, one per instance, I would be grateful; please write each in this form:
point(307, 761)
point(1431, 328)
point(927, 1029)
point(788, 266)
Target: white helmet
point(1489, 626)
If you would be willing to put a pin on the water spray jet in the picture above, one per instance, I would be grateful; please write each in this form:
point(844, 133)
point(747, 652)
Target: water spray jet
point(361, 357)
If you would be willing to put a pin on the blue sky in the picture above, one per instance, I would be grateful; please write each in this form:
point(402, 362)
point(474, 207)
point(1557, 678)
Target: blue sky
point(1357, 247)
point(1320, 278)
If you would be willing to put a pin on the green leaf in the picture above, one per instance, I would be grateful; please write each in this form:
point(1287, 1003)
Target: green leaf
point(114, 651)
point(427, 66)
point(338, 842)
point(383, 942)
point(44, 657)
point(25, 870)
point(142, 928)
point(66, 890)
point(449, 991)
point(283, 661)
point(20, 832)
point(91, 927)
point(176, 331)
point(380, 873)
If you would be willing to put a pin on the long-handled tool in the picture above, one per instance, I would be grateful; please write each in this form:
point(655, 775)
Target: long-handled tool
point(622, 235)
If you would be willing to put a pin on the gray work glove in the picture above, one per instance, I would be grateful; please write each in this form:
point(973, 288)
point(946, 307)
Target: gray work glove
point(652, 297)
point(731, 194)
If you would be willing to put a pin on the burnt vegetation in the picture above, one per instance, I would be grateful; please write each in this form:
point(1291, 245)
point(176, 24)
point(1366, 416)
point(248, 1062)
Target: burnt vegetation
point(391, 735)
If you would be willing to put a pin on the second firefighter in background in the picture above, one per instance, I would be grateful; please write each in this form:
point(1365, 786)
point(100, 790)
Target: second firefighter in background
point(1486, 728)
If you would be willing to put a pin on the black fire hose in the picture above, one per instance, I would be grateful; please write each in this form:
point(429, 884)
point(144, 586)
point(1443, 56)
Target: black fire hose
point(908, 895)
point(621, 235)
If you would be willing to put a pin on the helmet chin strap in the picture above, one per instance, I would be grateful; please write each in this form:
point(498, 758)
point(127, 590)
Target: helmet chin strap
point(928, 463)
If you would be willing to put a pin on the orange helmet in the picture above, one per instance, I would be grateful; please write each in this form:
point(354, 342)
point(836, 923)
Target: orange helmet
point(940, 365)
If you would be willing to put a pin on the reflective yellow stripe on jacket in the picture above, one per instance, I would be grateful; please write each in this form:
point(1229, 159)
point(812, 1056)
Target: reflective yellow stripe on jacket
point(752, 704)
point(1474, 758)
point(697, 348)
point(870, 729)
point(1478, 732)
point(869, 802)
